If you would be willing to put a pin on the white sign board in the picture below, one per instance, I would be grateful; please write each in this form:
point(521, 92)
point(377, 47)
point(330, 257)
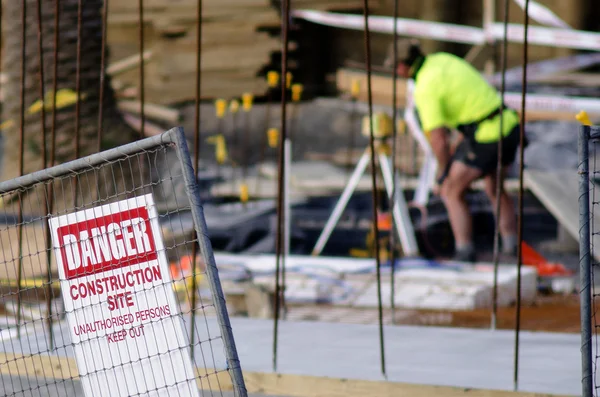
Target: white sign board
point(120, 304)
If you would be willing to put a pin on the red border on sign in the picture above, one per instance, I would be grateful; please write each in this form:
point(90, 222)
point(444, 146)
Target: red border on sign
point(76, 228)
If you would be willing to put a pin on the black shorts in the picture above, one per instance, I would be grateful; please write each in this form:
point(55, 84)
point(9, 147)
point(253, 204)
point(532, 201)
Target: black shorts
point(484, 156)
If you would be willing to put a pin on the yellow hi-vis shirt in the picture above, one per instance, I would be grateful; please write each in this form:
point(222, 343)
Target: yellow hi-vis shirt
point(450, 92)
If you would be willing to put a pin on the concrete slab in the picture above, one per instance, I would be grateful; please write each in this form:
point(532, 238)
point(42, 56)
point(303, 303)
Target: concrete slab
point(465, 358)
point(419, 283)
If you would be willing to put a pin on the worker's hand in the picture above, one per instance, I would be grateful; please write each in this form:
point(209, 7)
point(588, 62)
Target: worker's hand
point(436, 189)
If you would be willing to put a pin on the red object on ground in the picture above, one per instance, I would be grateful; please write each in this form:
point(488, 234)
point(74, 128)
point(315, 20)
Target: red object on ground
point(531, 257)
point(384, 221)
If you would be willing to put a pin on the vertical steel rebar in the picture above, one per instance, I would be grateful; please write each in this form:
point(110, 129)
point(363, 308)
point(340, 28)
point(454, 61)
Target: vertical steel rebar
point(142, 91)
point(77, 94)
point(281, 166)
point(54, 88)
point(520, 209)
point(264, 139)
point(500, 170)
point(102, 81)
point(235, 148)
point(196, 166)
point(245, 144)
point(50, 186)
point(392, 199)
point(585, 264)
point(48, 290)
point(367, 42)
point(41, 88)
point(21, 163)
point(351, 138)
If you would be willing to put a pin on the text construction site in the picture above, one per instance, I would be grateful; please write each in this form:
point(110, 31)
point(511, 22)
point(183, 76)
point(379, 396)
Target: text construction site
point(299, 198)
point(118, 296)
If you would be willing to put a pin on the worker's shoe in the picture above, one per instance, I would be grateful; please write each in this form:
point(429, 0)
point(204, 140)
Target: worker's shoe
point(465, 255)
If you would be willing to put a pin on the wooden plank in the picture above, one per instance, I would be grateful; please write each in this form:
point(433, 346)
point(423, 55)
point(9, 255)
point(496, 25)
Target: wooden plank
point(239, 56)
point(178, 90)
point(61, 368)
point(149, 5)
point(184, 14)
point(151, 110)
point(128, 63)
point(558, 191)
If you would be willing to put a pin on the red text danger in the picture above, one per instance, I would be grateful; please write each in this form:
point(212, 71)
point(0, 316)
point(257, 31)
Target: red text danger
point(106, 243)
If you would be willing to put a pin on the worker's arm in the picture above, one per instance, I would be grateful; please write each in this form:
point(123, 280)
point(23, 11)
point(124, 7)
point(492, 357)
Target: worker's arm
point(440, 144)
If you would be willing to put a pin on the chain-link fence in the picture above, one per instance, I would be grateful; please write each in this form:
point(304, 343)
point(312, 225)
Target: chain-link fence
point(108, 280)
point(589, 200)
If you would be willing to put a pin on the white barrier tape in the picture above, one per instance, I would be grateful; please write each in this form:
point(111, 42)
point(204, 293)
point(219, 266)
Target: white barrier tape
point(545, 68)
point(407, 27)
point(553, 37)
point(575, 39)
point(543, 15)
point(563, 104)
point(534, 102)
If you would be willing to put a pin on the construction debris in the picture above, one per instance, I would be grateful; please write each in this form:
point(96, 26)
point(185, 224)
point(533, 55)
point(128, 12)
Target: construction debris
point(236, 46)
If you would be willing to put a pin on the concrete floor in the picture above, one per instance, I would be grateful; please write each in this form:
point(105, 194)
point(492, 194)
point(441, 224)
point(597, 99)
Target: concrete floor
point(468, 358)
point(23, 387)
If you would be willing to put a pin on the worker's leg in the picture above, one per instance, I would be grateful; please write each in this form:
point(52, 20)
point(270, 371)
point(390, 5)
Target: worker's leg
point(452, 192)
point(507, 219)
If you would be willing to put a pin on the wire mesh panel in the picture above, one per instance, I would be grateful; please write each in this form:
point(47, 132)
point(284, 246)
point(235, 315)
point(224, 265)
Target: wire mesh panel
point(108, 282)
point(589, 235)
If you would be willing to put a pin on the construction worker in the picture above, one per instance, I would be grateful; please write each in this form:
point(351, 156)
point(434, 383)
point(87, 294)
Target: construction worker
point(450, 94)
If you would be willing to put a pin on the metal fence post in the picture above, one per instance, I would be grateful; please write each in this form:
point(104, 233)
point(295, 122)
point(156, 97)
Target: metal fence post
point(585, 263)
point(206, 252)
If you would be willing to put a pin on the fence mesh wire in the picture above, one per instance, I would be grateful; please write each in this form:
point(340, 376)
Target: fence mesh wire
point(589, 235)
point(594, 178)
point(124, 328)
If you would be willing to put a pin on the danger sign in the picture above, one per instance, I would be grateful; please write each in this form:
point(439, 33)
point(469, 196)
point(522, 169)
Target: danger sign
point(121, 309)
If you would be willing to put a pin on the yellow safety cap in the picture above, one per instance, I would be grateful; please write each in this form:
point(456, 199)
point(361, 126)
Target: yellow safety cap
point(247, 100)
point(355, 88)
point(401, 126)
point(244, 193)
point(272, 78)
point(382, 125)
point(220, 107)
point(273, 137)
point(297, 91)
point(221, 150)
point(220, 147)
point(583, 118)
